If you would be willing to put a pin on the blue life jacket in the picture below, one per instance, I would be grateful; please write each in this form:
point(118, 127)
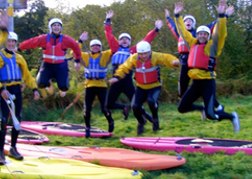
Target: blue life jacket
point(94, 69)
point(120, 56)
point(10, 70)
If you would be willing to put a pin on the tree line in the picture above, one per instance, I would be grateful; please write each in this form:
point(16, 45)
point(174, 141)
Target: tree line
point(137, 17)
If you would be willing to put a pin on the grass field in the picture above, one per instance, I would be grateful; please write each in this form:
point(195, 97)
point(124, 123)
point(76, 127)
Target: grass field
point(172, 124)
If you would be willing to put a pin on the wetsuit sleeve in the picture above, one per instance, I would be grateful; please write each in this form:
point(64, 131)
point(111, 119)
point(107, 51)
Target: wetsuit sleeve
point(126, 67)
point(164, 59)
point(150, 36)
point(35, 42)
point(69, 42)
point(111, 39)
point(221, 30)
point(172, 27)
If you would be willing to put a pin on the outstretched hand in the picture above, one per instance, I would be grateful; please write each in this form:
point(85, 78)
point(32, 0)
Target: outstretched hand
point(175, 63)
point(221, 8)
point(77, 66)
point(167, 13)
point(229, 10)
point(84, 36)
point(3, 19)
point(36, 95)
point(179, 6)
point(109, 14)
point(158, 24)
point(112, 80)
point(5, 94)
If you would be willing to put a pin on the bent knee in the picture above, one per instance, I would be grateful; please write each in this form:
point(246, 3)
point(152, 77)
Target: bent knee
point(181, 109)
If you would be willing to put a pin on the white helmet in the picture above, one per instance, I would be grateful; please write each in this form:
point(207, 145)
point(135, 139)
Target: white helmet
point(143, 47)
point(192, 18)
point(52, 21)
point(13, 36)
point(204, 28)
point(124, 35)
point(95, 42)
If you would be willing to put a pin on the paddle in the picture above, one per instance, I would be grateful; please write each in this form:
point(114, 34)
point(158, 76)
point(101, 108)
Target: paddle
point(11, 107)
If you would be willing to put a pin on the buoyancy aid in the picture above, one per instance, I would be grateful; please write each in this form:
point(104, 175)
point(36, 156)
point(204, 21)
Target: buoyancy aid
point(197, 57)
point(94, 70)
point(54, 53)
point(120, 56)
point(146, 73)
point(10, 70)
point(182, 46)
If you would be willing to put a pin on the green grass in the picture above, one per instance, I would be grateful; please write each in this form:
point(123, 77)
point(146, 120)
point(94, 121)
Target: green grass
point(172, 123)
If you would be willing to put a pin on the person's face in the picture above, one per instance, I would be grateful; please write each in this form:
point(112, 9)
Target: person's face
point(124, 42)
point(56, 28)
point(95, 48)
point(144, 56)
point(11, 44)
point(188, 23)
point(202, 37)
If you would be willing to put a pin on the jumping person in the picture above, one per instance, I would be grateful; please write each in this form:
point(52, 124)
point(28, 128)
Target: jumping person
point(13, 73)
point(147, 76)
point(95, 63)
point(54, 65)
point(124, 50)
point(183, 50)
point(190, 23)
point(201, 66)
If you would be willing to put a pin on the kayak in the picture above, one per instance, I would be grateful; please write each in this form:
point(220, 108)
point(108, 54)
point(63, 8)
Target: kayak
point(63, 129)
point(189, 144)
point(106, 156)
point(27, 136)
point(50, 168)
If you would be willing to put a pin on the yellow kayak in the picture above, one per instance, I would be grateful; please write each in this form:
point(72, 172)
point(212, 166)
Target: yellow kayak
point(51, 168)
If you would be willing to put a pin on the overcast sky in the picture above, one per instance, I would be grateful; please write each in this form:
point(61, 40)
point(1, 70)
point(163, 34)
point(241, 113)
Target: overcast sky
point(78, 3)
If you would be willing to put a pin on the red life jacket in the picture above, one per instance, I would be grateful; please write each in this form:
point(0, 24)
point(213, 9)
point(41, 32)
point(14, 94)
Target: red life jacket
point(197, 58)
point(54, 53)
point(146, 73)
point(182, 46)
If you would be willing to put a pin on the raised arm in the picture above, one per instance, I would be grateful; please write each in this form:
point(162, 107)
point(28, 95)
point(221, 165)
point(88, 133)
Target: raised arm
point(83, 37)
point(150, 36)
point(220, 31)
point(35, 42)
point(187, 36)
point(153, 33)
point(171, 24)
point(111, 39)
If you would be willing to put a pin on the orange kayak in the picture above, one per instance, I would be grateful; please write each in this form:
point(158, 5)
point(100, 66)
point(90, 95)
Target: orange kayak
point(112, 157)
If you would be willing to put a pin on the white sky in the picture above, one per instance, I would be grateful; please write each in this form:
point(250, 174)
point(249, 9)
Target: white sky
point(78, 3)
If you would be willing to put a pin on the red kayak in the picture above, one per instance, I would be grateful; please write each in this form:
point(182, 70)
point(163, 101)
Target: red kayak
point(63, 129)
point(112, 157)
point(27, 136)
point(189, 144)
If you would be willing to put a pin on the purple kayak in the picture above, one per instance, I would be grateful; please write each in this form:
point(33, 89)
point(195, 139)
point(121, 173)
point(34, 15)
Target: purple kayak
point(63, 129)
point(189, 144)
point(27, 136)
